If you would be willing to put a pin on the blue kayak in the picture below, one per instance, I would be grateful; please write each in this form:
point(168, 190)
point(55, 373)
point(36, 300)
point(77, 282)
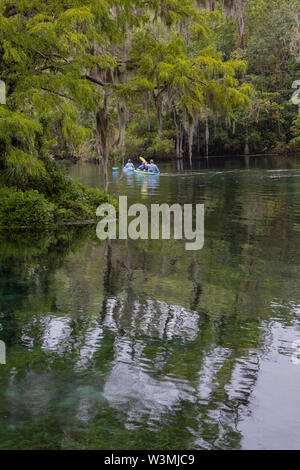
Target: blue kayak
point(141, 172)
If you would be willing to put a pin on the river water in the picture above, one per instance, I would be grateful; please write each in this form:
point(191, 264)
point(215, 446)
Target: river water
point(144, 345)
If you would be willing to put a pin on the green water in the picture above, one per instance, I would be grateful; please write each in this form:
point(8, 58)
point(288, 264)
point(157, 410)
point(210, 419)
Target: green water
point(144, 345)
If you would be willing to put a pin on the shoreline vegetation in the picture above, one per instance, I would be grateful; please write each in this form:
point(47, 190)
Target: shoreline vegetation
point(49, 201)
point(169, 159)
point(108, 79)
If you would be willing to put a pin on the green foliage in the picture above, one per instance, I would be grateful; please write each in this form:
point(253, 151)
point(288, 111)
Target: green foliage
point(295, 131)
point(55, 198)
point(76, 202)
point(163, 145)
point(44, 56)
point(20, 208)
point(71, 202)
point(207, 78)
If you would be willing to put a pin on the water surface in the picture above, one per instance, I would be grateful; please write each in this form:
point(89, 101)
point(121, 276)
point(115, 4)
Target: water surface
point(144, 345)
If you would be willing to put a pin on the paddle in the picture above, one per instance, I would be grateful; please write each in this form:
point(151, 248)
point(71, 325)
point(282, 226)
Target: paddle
point(144, 161)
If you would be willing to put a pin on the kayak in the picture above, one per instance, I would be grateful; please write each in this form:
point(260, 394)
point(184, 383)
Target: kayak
point(141, 172)
point(128, 169)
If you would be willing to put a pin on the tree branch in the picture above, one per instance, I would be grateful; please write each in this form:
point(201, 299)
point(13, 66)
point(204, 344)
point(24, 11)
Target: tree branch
point(47, 67)
point(62, 95)
point(96, 80)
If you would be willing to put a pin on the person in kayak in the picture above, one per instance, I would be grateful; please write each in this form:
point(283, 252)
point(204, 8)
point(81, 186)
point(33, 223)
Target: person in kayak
point(129, 165)
point(143, 166)
point(152, 167)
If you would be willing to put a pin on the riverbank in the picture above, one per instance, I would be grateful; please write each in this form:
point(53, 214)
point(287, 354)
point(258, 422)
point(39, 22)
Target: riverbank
point(173, 158)
point(48, 200)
